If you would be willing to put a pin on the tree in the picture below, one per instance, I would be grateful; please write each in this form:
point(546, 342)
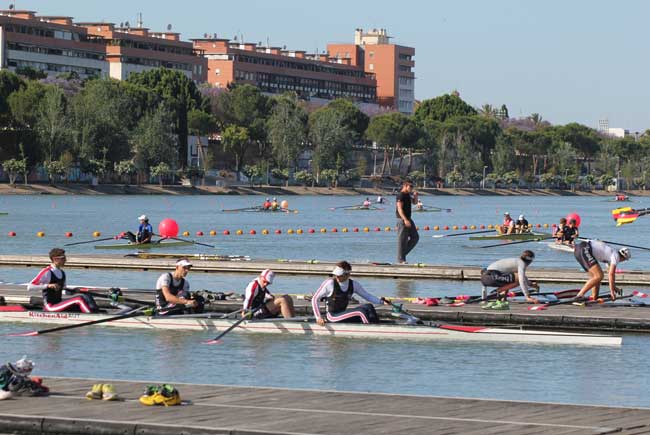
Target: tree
point(329, 137)
point(547, 179)
point(154, 141)
point(236, 139)
point(31, 73)
point(352, 117)
point(180, 95)
point(330, 176)
point(287, 131)
point(13, 168)
point(454, 177)
point(201, 124)
point(51, 122)
point(125, 168)
point(442, 108)
point(304, 177)
point(392, 130)
point(9, 83)
point(54, 169)
point(253, 172)
point(161, 170)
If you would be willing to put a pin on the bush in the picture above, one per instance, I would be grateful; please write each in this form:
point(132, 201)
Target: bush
point(13, 168)
point(54, 169)
point(305, 178)
point(331, 176)
point(161, 171)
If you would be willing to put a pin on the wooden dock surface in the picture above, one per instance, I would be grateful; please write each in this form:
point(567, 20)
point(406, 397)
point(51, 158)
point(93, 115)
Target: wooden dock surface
point(214, 409)
point(312, 267)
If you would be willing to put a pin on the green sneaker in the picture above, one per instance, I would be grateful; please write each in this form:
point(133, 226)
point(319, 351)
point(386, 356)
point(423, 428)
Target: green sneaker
point(488, 305)
point(501, 305)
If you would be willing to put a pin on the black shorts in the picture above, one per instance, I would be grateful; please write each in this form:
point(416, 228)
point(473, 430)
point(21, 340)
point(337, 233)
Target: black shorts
point(582, 252)
point(263, 313)
point(494, 278)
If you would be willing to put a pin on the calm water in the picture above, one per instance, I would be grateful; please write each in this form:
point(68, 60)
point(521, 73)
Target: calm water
point(518, 372)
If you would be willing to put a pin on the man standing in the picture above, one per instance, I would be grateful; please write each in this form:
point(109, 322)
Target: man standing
point(407, 234)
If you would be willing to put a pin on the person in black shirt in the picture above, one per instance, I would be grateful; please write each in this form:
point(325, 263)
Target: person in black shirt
point(407, 234)
point(570, 233)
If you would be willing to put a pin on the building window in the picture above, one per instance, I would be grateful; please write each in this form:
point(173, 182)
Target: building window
point(371, 54)
point(371, 67)
point(217, 71)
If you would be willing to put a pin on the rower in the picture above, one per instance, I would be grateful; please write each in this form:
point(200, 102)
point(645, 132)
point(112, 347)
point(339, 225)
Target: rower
point(174, 289)
point(419, 205)
point(337, 292)
point(522, 225)
point(507, 274)
point(589, 253)
point(274, 204)
point(380, 199)
point(570, 233)
point(262, 303)
point(51, 282)
point(508, 225)
point(267, 204)
point(559, 232)
point(145, 232)
point(366, 203)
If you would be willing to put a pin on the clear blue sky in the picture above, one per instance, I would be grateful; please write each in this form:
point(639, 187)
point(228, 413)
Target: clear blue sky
point(570, 60)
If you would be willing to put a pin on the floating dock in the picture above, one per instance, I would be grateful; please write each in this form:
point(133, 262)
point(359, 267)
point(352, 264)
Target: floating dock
point(218, 409)
point(310, 267)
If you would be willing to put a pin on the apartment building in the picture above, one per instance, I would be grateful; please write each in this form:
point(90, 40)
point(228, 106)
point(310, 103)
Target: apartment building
point(276, 70)
point(57, 45)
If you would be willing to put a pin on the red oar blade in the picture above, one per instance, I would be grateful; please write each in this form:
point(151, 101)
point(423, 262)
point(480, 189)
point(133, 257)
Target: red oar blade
point(23, 334)
point(538, 307)
point(211, 342)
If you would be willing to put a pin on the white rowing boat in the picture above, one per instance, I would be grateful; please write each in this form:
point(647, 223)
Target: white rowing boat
point(560, 247)
point(305, 327)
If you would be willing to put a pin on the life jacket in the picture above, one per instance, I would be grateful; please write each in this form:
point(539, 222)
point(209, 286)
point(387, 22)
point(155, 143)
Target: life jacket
point(260, 297)
point(173, 289)
point(339, 299)
point(50, 295)
point(507, 221)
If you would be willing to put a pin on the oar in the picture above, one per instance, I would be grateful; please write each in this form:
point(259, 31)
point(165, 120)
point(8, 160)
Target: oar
point(573, 300)
point(626, 244)
point(539, 239)
point(133, 313)
point(91, 241)
point(183, 240)
point(105, 296)
point(438, 236)
point(437, 209)
point(628, 217)
point(230, 328)
point(241, 209)
point(345, 206)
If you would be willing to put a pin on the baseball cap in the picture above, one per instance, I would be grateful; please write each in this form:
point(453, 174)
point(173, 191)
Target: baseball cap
point(521, 216)
point(506, 214)
point(183, 263)
point(268, 275)
point(22, 367)
point(143, 217)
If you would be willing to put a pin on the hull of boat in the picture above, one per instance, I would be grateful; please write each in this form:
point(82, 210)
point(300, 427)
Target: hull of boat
point(310, 328)
point(522, 236)
point(172, 244)
point(560, 247)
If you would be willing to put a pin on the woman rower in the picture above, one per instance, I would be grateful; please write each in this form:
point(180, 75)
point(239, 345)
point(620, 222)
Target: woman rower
point(51, 282)
point(337, 292)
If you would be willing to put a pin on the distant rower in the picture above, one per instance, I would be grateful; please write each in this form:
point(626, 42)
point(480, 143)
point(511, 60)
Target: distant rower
point(508, 225)
point(145, 232)
point(366, 203)
point(522, 225)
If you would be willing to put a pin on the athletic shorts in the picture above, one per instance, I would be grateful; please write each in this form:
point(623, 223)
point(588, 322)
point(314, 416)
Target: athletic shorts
point(263, 313)
point(585, 257)
point(494, 278)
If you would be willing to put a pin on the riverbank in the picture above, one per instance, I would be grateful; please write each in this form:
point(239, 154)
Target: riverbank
point(154, 189)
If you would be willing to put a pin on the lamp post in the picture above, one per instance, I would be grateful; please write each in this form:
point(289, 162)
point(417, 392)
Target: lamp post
point(374, 154)
point(483, 180)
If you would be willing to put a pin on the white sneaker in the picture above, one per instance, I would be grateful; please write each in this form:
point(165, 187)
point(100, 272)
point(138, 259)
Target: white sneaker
point(5, 394)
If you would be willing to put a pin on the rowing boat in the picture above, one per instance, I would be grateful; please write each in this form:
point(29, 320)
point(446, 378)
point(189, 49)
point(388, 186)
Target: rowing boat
point(518, 236)
point(362, 208)
point(152, 245)
point(202, 257)
point(560, 247)
point(308, 327)
point(426, 210)
point(259, 210)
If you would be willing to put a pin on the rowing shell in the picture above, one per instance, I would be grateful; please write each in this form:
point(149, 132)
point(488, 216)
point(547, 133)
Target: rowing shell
point(560, 247)
point(154, 245)
point(426, 332)
point(518, 236)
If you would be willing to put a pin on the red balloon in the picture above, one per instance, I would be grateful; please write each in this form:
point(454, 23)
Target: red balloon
point(575, 216)
point(168, 228)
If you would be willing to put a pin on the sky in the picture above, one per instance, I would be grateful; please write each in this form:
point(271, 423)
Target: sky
point(569, 60)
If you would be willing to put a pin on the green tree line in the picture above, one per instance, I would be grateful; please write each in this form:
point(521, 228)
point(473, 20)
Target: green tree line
point(117, 130)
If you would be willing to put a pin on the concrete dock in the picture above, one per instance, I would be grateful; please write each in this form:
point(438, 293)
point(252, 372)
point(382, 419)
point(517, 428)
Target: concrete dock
point(217, 409)
point(311, 267)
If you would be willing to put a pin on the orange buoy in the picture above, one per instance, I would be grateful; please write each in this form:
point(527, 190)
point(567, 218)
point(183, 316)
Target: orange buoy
point(436, 228)
point(472, 227)
point(40, 234)
point(366, 229)
point(239, 232)
point(344, 230)
point(299, 231)
point(323, 230)
point(546, 225)
point(265, 231)
point(96, 234)
point(387, 229)
point(213, 233)
point(289, 231)
point(455, 227)
point(186, 233)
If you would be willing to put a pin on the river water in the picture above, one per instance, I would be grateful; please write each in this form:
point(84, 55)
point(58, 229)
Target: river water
point(570, 374)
